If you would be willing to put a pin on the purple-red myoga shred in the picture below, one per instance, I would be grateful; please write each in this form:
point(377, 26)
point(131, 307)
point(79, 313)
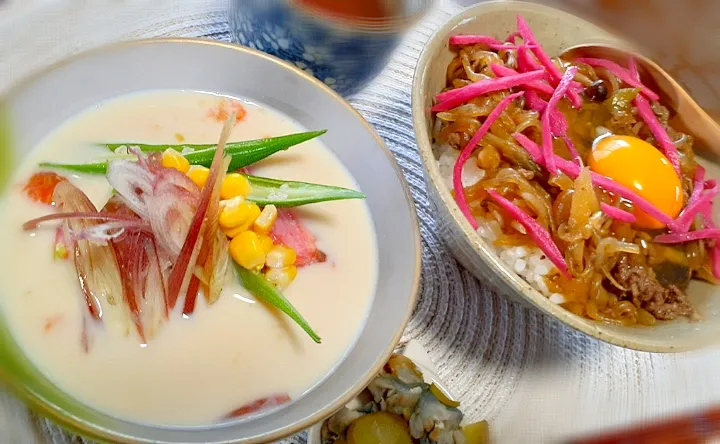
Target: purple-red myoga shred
point(32, 224)
point(512, 37)
point(621, 73)
point(530, 146)
point(677, 238)
point(698, 188)
point(182, 265)
point(505, 47)
point(467, 152)
point(547, 145)
point(663, 139)
point(558, 122)
point(617, 213)
point(648, 116)
point(715, 257)
point(451, 99)
point(535, 230)
point(537, 85)
point(486, 40)
point(527, 62)
point(474, 40)
point(545, 61)
point(686, 218)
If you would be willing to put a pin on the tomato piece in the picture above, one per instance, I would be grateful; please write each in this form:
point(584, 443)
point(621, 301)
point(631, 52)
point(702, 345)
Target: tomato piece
point(289, 231)
point(260, 404)
point(41, 187)
point(224, 109)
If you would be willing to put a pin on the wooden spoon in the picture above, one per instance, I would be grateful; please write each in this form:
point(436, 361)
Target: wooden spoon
point(688, 116)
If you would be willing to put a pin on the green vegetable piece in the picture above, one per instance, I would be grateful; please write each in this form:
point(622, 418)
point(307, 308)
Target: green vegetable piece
point(85, 168)
point(288, 140)
point(242, 153)
point(620, 103)
point(259, 287)
point(284, 194)
point(251, 151)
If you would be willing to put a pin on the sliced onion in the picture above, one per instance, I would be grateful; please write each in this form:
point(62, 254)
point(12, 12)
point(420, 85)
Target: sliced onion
point(133, 182)
point(170, 214)
point(173, 181)
point(110, 231)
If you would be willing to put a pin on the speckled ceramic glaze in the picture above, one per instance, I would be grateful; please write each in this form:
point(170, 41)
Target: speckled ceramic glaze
point(556, 30)
point(343, 55)
point(108, 72)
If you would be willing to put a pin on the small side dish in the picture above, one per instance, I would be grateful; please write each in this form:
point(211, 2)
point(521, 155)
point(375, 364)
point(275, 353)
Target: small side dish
point(165, 267)
point(399, 407)
point(573, 171)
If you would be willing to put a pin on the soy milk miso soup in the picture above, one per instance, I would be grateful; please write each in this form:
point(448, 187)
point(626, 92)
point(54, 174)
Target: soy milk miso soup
point(164, 273)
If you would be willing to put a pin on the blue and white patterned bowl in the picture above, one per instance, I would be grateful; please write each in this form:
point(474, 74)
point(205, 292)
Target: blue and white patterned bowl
point(344, 54)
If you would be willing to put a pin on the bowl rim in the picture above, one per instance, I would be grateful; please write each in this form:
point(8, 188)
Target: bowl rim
point(101, 434)
point(511, 280)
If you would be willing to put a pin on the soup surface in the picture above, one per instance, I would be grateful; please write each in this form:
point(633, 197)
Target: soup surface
point(199, 368)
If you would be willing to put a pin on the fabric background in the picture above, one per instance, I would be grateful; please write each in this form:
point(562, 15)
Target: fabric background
point(532, 378)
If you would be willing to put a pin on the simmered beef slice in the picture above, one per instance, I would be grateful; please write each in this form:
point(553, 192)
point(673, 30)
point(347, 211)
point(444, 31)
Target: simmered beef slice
point(664, 303)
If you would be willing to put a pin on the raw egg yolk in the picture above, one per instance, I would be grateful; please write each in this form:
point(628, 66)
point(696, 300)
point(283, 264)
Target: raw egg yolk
point(641, 167)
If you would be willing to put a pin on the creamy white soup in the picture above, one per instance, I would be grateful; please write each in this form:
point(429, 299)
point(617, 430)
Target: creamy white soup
point(226, 355)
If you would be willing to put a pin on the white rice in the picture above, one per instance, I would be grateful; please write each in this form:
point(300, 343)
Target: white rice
point(528, 262)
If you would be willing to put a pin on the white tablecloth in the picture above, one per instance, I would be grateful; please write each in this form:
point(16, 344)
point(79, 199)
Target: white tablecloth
point(532, 378)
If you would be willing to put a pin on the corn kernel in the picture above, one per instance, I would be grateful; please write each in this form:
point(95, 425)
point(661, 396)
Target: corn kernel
point(234, 185)
point(246, 249)
point(199, 175)
point(281, 256)
point(173, 159)
point(265, 221)
point(229, 215)
point(266, 242)
point(237, 215)
point(281, 277)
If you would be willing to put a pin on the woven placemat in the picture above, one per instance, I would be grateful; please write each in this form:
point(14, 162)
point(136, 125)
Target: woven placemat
point(532, 378)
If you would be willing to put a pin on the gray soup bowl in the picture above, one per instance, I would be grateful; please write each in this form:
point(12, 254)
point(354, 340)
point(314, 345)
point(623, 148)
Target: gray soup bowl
point(185, 64)
point(555, 30)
